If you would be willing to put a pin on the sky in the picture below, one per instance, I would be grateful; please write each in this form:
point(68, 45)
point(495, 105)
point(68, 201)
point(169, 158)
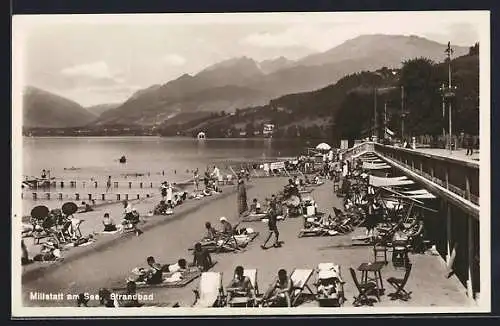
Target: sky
point(97, 59)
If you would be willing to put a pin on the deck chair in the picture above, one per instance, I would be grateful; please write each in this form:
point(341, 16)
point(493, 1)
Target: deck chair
point(324, 272)
point(299, 278)
point(247, 302)
point(364, 289)
point(399, 284)
point(252, 275)
point(210, 292)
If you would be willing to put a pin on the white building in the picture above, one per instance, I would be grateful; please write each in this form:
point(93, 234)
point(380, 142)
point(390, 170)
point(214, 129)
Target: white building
point(201, 135)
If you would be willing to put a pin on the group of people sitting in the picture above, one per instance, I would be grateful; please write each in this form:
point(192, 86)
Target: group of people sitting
point(63, 227)
point(278, 294)
point(129, 222)
point(153, 274)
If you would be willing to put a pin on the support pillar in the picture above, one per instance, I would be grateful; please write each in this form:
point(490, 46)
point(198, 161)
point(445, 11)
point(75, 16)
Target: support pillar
point(467, 188)
point(470, 254)
point(449, 237)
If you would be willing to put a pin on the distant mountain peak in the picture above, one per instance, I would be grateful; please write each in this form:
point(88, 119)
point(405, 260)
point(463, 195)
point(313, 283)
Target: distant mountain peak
point(233, 62)
point(44, 109)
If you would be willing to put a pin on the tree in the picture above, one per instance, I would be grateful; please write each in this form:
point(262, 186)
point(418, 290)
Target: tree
point(474, 50)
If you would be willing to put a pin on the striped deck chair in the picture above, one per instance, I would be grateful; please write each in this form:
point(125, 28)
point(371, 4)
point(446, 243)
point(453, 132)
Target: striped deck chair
point(299, 278)
point(210, 292)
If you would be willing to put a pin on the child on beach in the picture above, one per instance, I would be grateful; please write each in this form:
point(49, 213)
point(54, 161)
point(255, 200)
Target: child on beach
point(131, 218)
point(109, 225)
point(255, 207)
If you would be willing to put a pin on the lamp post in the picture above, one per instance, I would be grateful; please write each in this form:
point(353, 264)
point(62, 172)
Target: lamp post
point(375, 127)
point(449, 93)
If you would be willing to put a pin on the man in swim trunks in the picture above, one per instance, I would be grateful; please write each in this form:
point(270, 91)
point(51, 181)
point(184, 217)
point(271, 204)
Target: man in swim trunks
point(155, 273)
point(240, 286)
point(211, 232)
point(272, 223)
point(227, 228)
point(201, 258)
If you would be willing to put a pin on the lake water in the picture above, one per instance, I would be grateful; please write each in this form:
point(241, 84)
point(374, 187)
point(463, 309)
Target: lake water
point(157, 158)
point(99, 155)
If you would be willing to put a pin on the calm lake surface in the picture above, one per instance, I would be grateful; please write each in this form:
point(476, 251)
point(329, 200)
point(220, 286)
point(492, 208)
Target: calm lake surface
point(97, 156)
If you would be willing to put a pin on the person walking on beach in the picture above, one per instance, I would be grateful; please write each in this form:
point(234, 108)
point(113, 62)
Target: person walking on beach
point(108, 184)
point(242, 197)
point(272, 223)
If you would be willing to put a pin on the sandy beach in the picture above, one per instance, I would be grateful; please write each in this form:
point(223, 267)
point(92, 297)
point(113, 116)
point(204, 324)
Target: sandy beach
point(168, 240)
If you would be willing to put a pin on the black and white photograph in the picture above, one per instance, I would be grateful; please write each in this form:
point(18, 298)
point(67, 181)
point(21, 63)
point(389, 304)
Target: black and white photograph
point(251, 164)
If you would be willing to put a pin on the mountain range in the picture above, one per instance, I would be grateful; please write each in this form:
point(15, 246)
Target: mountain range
point(42, 109)
point(243, 82)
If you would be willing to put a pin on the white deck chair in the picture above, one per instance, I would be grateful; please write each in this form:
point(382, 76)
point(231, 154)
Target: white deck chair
point(252, 275)
point(337, 270)
point(210, 292)
point(299, 278)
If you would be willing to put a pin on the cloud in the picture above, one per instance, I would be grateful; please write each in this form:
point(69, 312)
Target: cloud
point(174, 60)
point(97, 70)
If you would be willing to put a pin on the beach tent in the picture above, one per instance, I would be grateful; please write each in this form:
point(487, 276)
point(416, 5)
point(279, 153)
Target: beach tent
point(323, 147)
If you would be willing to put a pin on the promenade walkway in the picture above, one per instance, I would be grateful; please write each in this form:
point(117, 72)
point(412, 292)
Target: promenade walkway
point(458, 154)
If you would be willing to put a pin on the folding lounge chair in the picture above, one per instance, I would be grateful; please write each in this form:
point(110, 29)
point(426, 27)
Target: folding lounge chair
point(399, 284)
point(247, 302)
point(364, 289)
point(299, 278)
point(210, 292)
point(338, 299)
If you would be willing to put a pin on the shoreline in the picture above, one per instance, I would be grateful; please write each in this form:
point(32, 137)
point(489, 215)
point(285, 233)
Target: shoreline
point(31, 274)
point(166, 243)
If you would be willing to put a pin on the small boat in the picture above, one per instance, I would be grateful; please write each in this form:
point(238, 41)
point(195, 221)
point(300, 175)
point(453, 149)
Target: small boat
point(123, 159)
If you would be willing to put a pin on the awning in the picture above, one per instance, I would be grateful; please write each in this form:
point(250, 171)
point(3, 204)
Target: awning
point(420, 194)
point(389, 182)
point(423, 196)
point(375, 166)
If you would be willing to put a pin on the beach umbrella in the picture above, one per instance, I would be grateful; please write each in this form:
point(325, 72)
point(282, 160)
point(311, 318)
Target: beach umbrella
point(323, 147)
point(39, 212)
point(69, 208)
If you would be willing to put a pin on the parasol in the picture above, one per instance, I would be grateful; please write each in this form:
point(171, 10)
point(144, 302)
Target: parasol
point(323, 147)
point(69, 208)
point(39, 212)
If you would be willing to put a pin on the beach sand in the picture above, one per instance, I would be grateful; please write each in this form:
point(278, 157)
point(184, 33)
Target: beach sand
point(169, 241)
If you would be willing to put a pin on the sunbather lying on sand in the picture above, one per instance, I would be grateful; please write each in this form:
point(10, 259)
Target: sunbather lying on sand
point(50, 252)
